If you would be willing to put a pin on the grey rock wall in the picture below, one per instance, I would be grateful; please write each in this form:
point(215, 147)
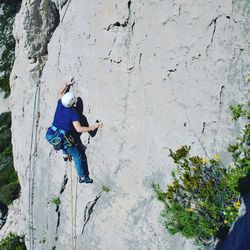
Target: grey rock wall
point(159, 74)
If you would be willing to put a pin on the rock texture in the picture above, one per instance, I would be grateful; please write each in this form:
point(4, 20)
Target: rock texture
point(159, 74)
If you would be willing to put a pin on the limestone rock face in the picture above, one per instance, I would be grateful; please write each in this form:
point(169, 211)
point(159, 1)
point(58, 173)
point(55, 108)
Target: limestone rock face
point(158, 74)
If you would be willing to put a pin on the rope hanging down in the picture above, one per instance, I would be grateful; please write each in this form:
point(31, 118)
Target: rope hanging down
point(73, 209)
point(31, 166)
point(75, 238)
point(65, 10)
point(33, 154)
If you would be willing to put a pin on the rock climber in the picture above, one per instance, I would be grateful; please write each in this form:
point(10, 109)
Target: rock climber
point(68, 121)
point(77, 136)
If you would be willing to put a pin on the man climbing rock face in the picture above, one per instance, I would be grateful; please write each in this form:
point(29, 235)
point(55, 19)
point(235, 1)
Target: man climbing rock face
point(67, 121)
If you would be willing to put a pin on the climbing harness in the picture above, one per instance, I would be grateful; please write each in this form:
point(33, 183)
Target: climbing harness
point(69, 139)
point(59, 138)
point(55, 137)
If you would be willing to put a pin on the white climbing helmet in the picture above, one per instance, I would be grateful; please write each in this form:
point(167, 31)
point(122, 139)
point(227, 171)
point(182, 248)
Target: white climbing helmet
point(68, 99)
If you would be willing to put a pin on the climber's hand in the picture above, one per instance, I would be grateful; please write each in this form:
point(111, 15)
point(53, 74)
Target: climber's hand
point(68, 84)
point(72, 82)
point(97, 125)
point(100, 124)
point(66, 87)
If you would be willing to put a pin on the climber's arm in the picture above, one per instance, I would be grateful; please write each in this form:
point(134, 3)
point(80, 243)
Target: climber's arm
point(66, 87)
point(63, 90)
point(81, 129)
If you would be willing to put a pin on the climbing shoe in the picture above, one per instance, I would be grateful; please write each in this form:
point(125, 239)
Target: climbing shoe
point(85, 179)
point(65, 157)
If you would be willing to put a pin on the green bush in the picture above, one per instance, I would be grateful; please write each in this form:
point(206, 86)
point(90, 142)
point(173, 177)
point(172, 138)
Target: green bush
point(9, 185)
point(9, 192)
point(5, 139)
point(5, 120)
point(13, 242)
point(6, 158)
point(56, 201)
point(237, 111)
point(7, 41)
point(5, 84)
point(7, 175)
point(204, 195)
point(105, 189)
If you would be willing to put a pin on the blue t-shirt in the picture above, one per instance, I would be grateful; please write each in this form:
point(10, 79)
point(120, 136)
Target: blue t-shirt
point(64, 117)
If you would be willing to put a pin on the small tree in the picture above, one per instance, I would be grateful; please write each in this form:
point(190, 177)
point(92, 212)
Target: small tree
point(204, 196)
